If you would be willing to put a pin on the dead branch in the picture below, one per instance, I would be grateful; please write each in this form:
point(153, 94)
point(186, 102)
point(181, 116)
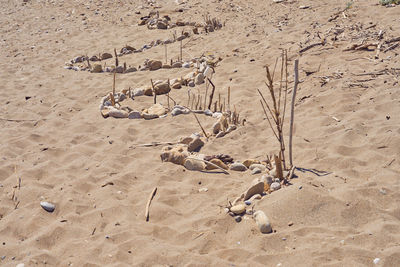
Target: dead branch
point(153, 193)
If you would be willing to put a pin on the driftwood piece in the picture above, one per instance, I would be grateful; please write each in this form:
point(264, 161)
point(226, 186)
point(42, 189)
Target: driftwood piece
point(212, 93)
point(311, 46)
point(153, 193)
point(278, 165)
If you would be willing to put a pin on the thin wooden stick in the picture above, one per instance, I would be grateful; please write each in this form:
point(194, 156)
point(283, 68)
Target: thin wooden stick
point(296, 81)
point(181, 51)
point(205, 134)
point(278, 165)
point(116, 57)
point(112, 99)
point(12, 120)
point(113, 88)
point(154, 91)
point(212, 164)
point(286, 89)
point(229, 98)
point(166, 54)
point(153, 193)
point(212, 93)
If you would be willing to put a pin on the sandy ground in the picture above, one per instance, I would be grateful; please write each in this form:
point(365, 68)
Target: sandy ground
point(64, 150)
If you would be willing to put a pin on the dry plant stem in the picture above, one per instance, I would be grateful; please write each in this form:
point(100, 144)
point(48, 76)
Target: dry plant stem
point(291, 173)
point(181, 50)
point(296, 81)
point(205, 95)
point(286, 88)
point(166, 55)
point(269, 122)
point(171, 99)
point(278, 165)
point(212, 93)
point(112, 99)
point(153, 193)
point(113, 88)
point(11, 120)
point(229, 98)
point(212, 164)
point(154, 91)
point(197, 119)
point(311, 46)
point(88, 62)
point(116, 57)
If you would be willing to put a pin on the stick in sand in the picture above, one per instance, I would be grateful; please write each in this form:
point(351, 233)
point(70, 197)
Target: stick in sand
point(212, 164)
point(296, 81)
point(166, 54)
point(114, 83)
point(153, 193)
point(229, 98)
point(116, 57)
point(212, 93)
point(181, 51)
point(154, 91)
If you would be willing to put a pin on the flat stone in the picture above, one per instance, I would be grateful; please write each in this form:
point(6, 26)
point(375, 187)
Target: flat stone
point(231, 128)
point(162, 25)
point(194, 165)
point(208, 112)
point(49, 207)
point(262, 222)
point(186, 65)
point(157, 109)
point(131, 69)
point(275, 186)
point(217, 162)
point(199, 79)
point(166, 66)
point(177, 65)
point(177, 85)
point(106, 56)
point(249, 162)
point(162, 88)
point(134, 115)
point(191, 83)
point(138, 92)
point(118, 113)
point(147, 116)
point(257, 188)
point(258, 166)
point(97, 68)
point(216, 128)
point(237, 166)
point(220, 134)
point(154, 64)
point(256, 171)
point(238, 209)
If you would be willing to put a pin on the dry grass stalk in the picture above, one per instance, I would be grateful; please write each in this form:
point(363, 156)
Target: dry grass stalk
point(276, 111)
point(296, 81)
point(116, 57)
point(229, 98)
point(112, 99)
point(278, 165)
point(166, 54)
point(113, 87)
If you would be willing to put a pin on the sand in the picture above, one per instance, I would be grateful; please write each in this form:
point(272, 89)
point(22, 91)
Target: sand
point(55, 140)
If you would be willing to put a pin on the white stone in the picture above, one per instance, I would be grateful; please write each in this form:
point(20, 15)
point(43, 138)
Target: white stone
point(275, 186)
point(47, 206)
point(262, 222)
point(199, 79)
point(237, 166)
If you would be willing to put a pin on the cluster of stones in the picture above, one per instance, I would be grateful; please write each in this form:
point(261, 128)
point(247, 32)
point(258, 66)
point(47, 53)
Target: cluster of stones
point(154, 21)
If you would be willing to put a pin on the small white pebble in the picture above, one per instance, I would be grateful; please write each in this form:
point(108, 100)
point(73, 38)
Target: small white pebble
point(377, 260)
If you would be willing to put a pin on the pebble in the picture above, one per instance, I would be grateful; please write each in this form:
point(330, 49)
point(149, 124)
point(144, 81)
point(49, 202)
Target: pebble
point(191, 83)
point(20, 265)
point(208, 72)
point(138, 92)
point(231, 128)
point(155, 64)
point(217, 162)
point(162, 25)
point(290, 223)
point(238, 219)
point(134, 115)
point(238, 209)
point(262, 222)
point(247, 202)
point(204, 189)
point(300, 187)
point(377, 260)
point(277, 180)
point(177, 85)
point(256, 171)
point(195, 145)
point(220, 134)
point(257, 165)
point(47, 206)
point(254, 197)
point(97, 68)
point(106, 56)
point(131, 69)
point(186, 65)
point(216, 128)
point(208, 112)
point(199, 79)
point(177, 65)
point(237, 166)
point(117, 113)
point(275, 186)
point(217, 115)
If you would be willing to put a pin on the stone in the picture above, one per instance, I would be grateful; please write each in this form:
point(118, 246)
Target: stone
point(217, 162)
point(157, 109)
point(166, 66)
point(154, 64)
point(256, 171)
point(220, 134)
point(162, 25)
point(199, 79)
point(147, 116)
point(247, 202)
point(162, 88)
point(138, 92)
point(267, 179)
point(94, 58)
point(180, 38)
point(131, 69)
point(237, 166)
point(106, 56)
point(275, 186)
point(177, 85)
point(257, 188)
point(217, 115)
point(208, 72)
point(257, 165)
point(273, 172)
point(249, 162)
point(20, 265)
point(208, 112)
point(262, 222)
point(148, 92)
point(204, 189)
point(216, 128)
point(49, 207)
point(119, 69)
point(238, 209)
point(97, 68)
point(186, 65)
point(105, 112)
point(254, 197)
point(176, 154)
point(194, 165)
point(177, 65)
point(238, 219)
point(195, 145)
point(277, 180)
point(134, 115)
point(177, 111)
point(118, 113)
point(231, 128)
point(191, 83)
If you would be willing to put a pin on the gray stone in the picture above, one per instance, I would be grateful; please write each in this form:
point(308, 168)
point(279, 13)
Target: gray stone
point(131, 69)
point(231, 128)
point(177, 65)
point(238, 219)
point(256, 171)
point(191, 83)
point(138, 92)
point(134, 115)
point(47, 206)
point(259, 166)
point(195, 145)
point(186, 65)
point(208, 112)
point(220, 134)
point(237, 166)
point(257, 188)
point(199, 79)
point(275, 186)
